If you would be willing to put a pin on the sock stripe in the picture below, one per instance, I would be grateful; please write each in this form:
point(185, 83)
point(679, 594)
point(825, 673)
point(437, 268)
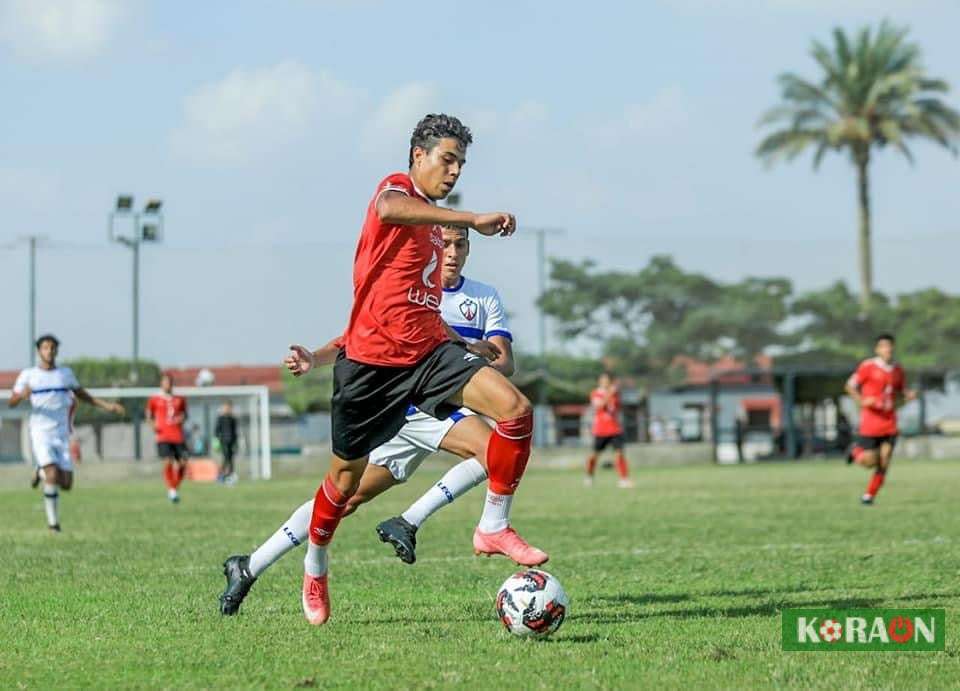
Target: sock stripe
point(51, 496)
point(329, 498)
point(507, 436)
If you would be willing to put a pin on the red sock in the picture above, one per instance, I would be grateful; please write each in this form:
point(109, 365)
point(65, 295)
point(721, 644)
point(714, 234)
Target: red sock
point(328, 507)
point(876, 482)
point(181, 471)
point(591, 464)
point(621, 465)
point(508, 453)
point(169, 477)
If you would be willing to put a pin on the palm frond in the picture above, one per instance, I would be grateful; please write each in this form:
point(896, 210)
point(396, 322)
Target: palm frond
point(872, 91)
point(787, 144)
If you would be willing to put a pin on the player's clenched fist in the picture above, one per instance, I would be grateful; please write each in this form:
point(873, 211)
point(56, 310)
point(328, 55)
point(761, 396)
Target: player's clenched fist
point(299, 361)
point(499, 222)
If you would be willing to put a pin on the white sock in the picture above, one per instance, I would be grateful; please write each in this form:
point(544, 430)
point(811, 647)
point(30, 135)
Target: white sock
point(291, 534)
point(315, 563)
point(171, 493)
point(496, 512)
point(462, 477)
point(51, 503)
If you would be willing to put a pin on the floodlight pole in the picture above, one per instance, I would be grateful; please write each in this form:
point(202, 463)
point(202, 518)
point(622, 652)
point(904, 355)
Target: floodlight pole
point(125, 208)
point(541, 233)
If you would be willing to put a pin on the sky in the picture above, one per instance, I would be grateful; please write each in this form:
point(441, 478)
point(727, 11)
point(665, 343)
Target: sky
point(265, 128)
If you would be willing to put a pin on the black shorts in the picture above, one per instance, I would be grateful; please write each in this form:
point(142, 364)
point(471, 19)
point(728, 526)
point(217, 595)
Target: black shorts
point(600, 443)
point(873, 443)
point(370, 402)
point(167, 450)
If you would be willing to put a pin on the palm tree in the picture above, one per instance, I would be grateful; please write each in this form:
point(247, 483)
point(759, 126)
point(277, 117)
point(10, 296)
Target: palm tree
point(873, 93)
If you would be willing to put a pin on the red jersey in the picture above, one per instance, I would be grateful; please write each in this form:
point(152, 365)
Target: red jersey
point(395, 319)
point(164, 410)
point(882, 382)
point(606, 414)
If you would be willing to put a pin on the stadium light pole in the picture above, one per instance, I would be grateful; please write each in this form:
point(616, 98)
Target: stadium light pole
point(542, 234)
point(147, 226)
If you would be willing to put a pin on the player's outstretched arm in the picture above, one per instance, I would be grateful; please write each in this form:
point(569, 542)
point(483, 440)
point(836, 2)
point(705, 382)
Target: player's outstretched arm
point(109, 406)
point(18, 396)
point(402, 209)
point(300, 360)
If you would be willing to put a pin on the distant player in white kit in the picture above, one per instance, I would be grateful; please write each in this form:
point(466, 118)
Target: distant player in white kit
point(53, 392)
point(475, 311)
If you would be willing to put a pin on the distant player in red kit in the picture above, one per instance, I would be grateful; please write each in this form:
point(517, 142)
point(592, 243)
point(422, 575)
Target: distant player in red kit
point(607, 430)
point(168, 413)
point(878, 387)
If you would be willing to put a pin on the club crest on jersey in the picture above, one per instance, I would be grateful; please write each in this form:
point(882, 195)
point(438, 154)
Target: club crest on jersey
point(468, 308)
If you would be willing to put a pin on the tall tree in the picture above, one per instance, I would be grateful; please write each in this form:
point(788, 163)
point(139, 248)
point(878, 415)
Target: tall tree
point(644, 319)
point(873, 92)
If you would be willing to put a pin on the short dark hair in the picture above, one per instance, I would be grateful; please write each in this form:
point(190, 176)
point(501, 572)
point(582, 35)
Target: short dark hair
point(434, 127)
point(466, 231)
point(47, 337)
point(166, 375)
point(886, 337)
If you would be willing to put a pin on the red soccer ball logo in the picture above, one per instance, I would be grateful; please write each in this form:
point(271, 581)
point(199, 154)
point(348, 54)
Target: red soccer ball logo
point(830, 630)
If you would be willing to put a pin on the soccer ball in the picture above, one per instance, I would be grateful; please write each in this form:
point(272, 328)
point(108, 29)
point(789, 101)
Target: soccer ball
point(532, 603)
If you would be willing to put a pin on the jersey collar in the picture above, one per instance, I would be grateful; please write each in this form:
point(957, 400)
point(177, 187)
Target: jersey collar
point(457, 287)
point(878, 361)
point(416, 189)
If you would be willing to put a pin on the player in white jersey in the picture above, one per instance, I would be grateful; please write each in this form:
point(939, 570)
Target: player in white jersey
point(53, 392)
point(475, 312)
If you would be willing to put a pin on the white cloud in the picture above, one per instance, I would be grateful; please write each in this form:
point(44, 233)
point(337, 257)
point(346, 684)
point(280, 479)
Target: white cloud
point(665, 114)
point(59, 30)
point(251, 113)
point(395, 117)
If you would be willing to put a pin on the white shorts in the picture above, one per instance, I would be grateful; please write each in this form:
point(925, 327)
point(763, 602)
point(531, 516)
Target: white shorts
point(51, 448)
point(419, 438)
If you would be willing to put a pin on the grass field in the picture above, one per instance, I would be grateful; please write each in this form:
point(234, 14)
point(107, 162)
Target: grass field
point(676, 583)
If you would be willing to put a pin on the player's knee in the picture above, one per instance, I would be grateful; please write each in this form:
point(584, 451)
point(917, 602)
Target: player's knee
point(516, 406)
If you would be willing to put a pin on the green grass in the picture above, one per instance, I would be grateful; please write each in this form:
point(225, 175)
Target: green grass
point(677, 583)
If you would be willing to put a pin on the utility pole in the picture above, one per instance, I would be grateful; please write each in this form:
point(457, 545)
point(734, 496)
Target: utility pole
point(32, 317)
point(32, 241)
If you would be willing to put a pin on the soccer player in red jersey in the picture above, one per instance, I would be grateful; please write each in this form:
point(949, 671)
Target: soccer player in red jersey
point(398, 352)
point(878, 387)
point(168, 413)
point(607, 430)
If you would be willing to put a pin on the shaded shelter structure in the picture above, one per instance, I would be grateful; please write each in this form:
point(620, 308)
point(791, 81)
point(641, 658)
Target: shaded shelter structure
point(806, 389)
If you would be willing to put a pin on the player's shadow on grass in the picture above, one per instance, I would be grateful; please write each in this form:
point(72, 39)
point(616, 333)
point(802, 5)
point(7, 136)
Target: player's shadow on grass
point(657, 598)
point(765, 609)
point(641, 598)
point(760, 592)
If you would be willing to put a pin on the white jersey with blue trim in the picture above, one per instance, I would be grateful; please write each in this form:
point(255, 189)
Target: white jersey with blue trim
point(51, 397)
point(474, 310)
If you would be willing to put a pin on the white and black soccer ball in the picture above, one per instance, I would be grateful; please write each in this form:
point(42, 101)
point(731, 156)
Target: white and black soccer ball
point(532, 603)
